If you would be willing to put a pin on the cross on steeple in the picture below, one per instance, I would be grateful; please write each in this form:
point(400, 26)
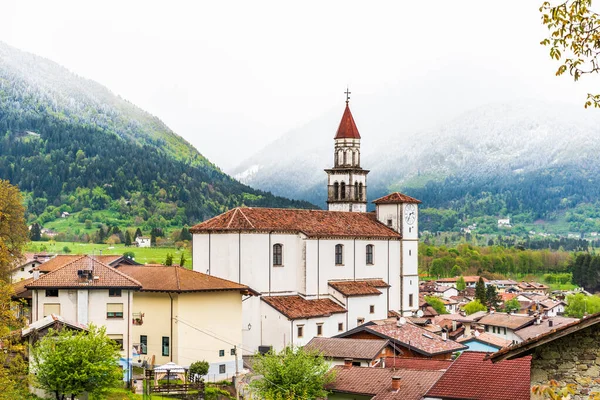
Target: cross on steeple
point(348, 92)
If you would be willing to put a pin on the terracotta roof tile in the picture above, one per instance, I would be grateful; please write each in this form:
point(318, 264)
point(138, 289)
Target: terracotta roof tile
point(534, 330)
point(424, 364)
point(347, 128)
point(359, 288)
point(56, 262)
point(407, 335)
point(296, 307)
point(510, 321)
point(177, 279)
point(313, 223)
point(357, 349)
point(19, 288)
point(66, 276)
point(377, 382)
point(471, 377)
point(395, 198)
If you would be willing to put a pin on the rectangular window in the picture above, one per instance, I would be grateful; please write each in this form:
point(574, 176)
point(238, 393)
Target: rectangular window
point(165, 345)
point(300, 331)
point(118, 339)
point(222, 369)
point(370, 254)
point(410, 300)
point(319, 329)
point(389, 223)
point(114, 310)
point(339, 254)
point(221, 353)
point(487, 328)
point(505, 331)
point(360, 321)
point(341, 327)
point(494, 329)
point(143, 344)
point(51, 292)
point(114, 292)
point(371, 309)
point(233, 352)
point(277, 255)
point(410, 252)
point(51, 309)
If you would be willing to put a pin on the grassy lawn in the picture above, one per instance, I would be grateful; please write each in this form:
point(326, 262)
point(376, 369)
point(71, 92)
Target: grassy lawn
point(143, 255)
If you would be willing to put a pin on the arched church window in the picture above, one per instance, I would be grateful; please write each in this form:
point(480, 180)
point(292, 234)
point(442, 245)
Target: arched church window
point(370, 254)
point(356, 190)
point(336, 191)
point(277, 255)
point(339, 254)
point(360, 191)
point(343, 190)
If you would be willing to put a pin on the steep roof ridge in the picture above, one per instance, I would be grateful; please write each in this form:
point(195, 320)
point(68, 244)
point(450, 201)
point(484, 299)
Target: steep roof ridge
point(244, 215)
point(235, 210)
point(119, 273)
point(347, 128)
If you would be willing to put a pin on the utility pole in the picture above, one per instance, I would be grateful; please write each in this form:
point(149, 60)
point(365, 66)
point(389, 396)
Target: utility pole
point(237, 393)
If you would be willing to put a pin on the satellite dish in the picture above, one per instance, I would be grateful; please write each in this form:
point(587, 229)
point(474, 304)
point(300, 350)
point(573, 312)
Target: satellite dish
point(401, 321)
point(420, 313)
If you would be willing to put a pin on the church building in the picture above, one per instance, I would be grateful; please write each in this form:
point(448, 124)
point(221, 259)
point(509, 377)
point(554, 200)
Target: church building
point(319, 273)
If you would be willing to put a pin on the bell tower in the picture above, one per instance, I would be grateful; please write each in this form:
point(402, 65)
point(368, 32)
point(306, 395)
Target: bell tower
point(347, 181)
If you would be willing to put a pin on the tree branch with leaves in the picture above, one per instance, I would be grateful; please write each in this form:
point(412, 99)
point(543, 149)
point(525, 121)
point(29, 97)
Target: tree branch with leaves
point(574, 39)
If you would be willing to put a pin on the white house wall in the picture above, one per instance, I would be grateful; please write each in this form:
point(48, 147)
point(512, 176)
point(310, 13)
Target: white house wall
point(360, 307)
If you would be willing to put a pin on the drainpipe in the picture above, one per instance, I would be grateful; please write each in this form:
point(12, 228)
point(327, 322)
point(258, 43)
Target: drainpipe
point(171, 341)
point(354, 249)
point(240, 257)
point(318, 258)
point(129, 367)
point(269, 258)
point(388, 274)
point(209, 247)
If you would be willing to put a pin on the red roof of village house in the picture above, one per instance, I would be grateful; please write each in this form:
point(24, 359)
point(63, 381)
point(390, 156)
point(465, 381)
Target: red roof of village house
point(297, 307)
point(177, 279)
point(425, 364)
point(347, 128)
point(313, 223)
point(472, 377)
point(66, 277)
point(359, 288)
point(377, 382)
point(395, 198)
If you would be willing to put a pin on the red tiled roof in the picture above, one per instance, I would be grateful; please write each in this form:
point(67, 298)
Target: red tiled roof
point(57, 262)
point(395, 198)
point(347, 128)
point(471, 377)
point(418, 339)
point(510, 321)
point(296, 307)
point(377, 382)
point(359, 288)
point(177, 279)
point(19, 288)
point(67, 277)
point(425, 364)
point(357, 349)
point(507, 296)
point(313, 223)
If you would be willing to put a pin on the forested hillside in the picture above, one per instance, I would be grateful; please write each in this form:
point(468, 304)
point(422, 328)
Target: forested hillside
point(73, 146)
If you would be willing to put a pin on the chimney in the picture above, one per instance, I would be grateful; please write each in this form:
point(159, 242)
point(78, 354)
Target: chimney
point(444, 335)
point(396, 383)
point(347, 363)
point(453, 325)
point(36, 274)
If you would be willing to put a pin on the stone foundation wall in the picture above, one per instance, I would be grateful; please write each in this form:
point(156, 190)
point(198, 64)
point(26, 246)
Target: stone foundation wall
point(571, 359)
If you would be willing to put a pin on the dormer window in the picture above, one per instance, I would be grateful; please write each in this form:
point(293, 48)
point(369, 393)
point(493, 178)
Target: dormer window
point(277, 255)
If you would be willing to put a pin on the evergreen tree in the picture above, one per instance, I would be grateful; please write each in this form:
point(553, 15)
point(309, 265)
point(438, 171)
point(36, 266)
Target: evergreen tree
point(169, 260)
point(127, 238)
point(138, 233)
point(491, 294)
point(152, 240)
point(480, 292)
point(35, 234)
point(185, 234)
point(461, 284)
point(182, 260)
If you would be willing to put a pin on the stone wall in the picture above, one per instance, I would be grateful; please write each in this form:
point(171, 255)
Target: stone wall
point(574, 358)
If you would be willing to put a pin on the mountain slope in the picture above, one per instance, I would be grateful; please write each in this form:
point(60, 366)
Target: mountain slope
point(71, 145)
point(519, 157)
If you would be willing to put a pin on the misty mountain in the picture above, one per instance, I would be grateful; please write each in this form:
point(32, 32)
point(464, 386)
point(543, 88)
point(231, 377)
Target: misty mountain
point(525, 156)
point(72, 145)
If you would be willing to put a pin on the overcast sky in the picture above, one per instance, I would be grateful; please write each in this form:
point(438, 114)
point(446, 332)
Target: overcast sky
point(231, 76)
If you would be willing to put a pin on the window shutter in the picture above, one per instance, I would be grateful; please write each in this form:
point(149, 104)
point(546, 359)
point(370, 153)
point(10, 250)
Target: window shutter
point(51, 309)
point(114, 307)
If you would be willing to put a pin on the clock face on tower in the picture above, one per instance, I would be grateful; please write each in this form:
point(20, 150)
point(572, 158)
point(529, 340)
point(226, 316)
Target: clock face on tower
point(410, 214)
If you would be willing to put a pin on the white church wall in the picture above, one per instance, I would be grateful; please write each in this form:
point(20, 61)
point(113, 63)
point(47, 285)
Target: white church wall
point(327, 269)
point(275, 328)
point(389, 212)
point(359, 308)
point(251, 324)
point(330, 327)
point(394, 280)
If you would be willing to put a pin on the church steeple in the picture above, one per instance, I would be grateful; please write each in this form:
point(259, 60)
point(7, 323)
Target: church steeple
point(347, 181)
